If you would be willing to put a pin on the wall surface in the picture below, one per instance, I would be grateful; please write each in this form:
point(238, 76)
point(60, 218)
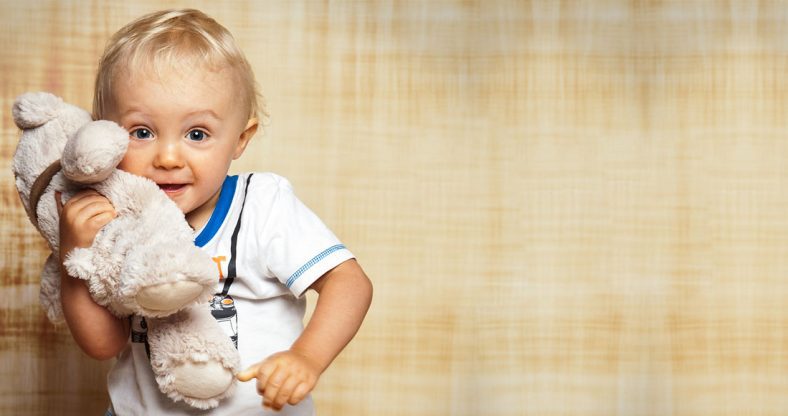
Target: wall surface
point(566, 207)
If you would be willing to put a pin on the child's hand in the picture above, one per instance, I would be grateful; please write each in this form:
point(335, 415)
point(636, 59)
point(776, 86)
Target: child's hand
point(285, 377)
point(81, 219)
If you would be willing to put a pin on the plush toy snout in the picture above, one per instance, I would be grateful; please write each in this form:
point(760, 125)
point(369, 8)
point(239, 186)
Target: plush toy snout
point(94, 152)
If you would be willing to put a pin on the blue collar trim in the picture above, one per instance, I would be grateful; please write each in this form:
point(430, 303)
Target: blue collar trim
point(219, 211)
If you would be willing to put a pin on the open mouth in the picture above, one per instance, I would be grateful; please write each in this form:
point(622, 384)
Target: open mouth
point(171, 187)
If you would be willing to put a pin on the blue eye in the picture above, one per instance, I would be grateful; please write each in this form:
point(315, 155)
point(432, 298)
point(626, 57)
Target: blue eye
point(142, 134)
point(196, 135)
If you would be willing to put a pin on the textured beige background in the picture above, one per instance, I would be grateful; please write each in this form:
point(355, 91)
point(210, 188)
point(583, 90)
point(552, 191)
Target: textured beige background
point(567, 207)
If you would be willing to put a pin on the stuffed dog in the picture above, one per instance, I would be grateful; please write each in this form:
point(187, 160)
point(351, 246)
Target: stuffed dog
point(143, 262)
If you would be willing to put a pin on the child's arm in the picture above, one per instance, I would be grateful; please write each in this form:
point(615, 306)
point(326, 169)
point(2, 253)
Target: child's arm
point(99, 333)
point(345, 294)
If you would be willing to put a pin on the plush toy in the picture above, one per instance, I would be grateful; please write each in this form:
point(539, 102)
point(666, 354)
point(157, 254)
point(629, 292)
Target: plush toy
point(142, 262)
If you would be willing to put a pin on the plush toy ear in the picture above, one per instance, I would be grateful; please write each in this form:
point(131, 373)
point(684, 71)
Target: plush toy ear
point(94, 151)
point(33, 109)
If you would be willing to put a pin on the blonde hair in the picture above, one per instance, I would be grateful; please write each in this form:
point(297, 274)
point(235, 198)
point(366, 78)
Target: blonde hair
point(183, 36)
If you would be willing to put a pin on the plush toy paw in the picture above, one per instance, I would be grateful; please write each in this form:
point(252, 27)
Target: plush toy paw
point(203, 380)
point(162, 278)
point(169, 296)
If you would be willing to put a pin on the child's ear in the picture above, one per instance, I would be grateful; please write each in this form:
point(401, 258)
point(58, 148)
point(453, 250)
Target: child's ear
point(246, 135)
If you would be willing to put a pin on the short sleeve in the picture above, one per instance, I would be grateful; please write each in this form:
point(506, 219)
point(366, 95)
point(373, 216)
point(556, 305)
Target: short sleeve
point(298, 248)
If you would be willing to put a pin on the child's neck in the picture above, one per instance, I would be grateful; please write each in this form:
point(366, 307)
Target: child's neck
point(198, 217)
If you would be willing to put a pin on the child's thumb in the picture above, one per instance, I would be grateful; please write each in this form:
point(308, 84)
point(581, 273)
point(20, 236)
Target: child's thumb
point(247, 374)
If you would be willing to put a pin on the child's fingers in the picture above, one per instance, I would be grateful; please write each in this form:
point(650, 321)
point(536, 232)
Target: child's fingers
point(274, 383)
point(267, 369)
point(82, 203)
point(85, 206)
point(82, 195)
point(98, 206)
point(248, 374)
point(260, 371)
point(101, 219)
point(299, 393)
point(88, 213)
point(285, 392)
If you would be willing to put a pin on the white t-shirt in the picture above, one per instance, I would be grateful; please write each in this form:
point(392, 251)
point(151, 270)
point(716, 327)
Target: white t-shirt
point(280, 249)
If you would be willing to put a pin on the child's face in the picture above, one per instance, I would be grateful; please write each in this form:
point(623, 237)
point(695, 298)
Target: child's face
point(184, 129)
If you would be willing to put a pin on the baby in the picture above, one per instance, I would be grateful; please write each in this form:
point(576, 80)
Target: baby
point(180, 85)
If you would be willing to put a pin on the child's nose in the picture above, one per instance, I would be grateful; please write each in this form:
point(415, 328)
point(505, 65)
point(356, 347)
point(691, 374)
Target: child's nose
point(168, 155)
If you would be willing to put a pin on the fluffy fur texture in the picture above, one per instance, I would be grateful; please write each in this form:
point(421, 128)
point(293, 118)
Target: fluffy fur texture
point(143, 262)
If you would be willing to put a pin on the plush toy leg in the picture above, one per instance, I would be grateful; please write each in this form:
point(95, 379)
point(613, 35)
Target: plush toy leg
point(192, 358)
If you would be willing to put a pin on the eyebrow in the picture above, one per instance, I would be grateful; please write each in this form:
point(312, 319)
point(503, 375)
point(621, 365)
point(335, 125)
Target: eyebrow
point(196, 113)
point(131, 111)
point(209, 113)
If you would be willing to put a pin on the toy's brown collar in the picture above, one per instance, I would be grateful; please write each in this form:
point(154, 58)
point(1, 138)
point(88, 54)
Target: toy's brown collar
point(38, 188)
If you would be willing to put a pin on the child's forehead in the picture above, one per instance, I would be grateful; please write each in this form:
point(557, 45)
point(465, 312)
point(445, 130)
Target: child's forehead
point(153, 66)
point(177, 79)
point(176, 91)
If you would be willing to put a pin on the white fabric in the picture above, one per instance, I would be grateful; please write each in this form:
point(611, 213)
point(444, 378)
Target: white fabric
point(280, 240)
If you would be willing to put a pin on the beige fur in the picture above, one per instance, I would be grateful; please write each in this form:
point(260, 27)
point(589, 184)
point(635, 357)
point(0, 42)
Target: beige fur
point(142, 262)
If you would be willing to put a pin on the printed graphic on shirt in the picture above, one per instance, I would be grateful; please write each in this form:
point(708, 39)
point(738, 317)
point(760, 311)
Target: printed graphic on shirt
point(223, 306)
point(223, 310)
point(219, 260)
point(139, 332)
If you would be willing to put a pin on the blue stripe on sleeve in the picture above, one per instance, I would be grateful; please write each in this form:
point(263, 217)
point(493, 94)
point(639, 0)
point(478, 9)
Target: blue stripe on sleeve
point(313, 262)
